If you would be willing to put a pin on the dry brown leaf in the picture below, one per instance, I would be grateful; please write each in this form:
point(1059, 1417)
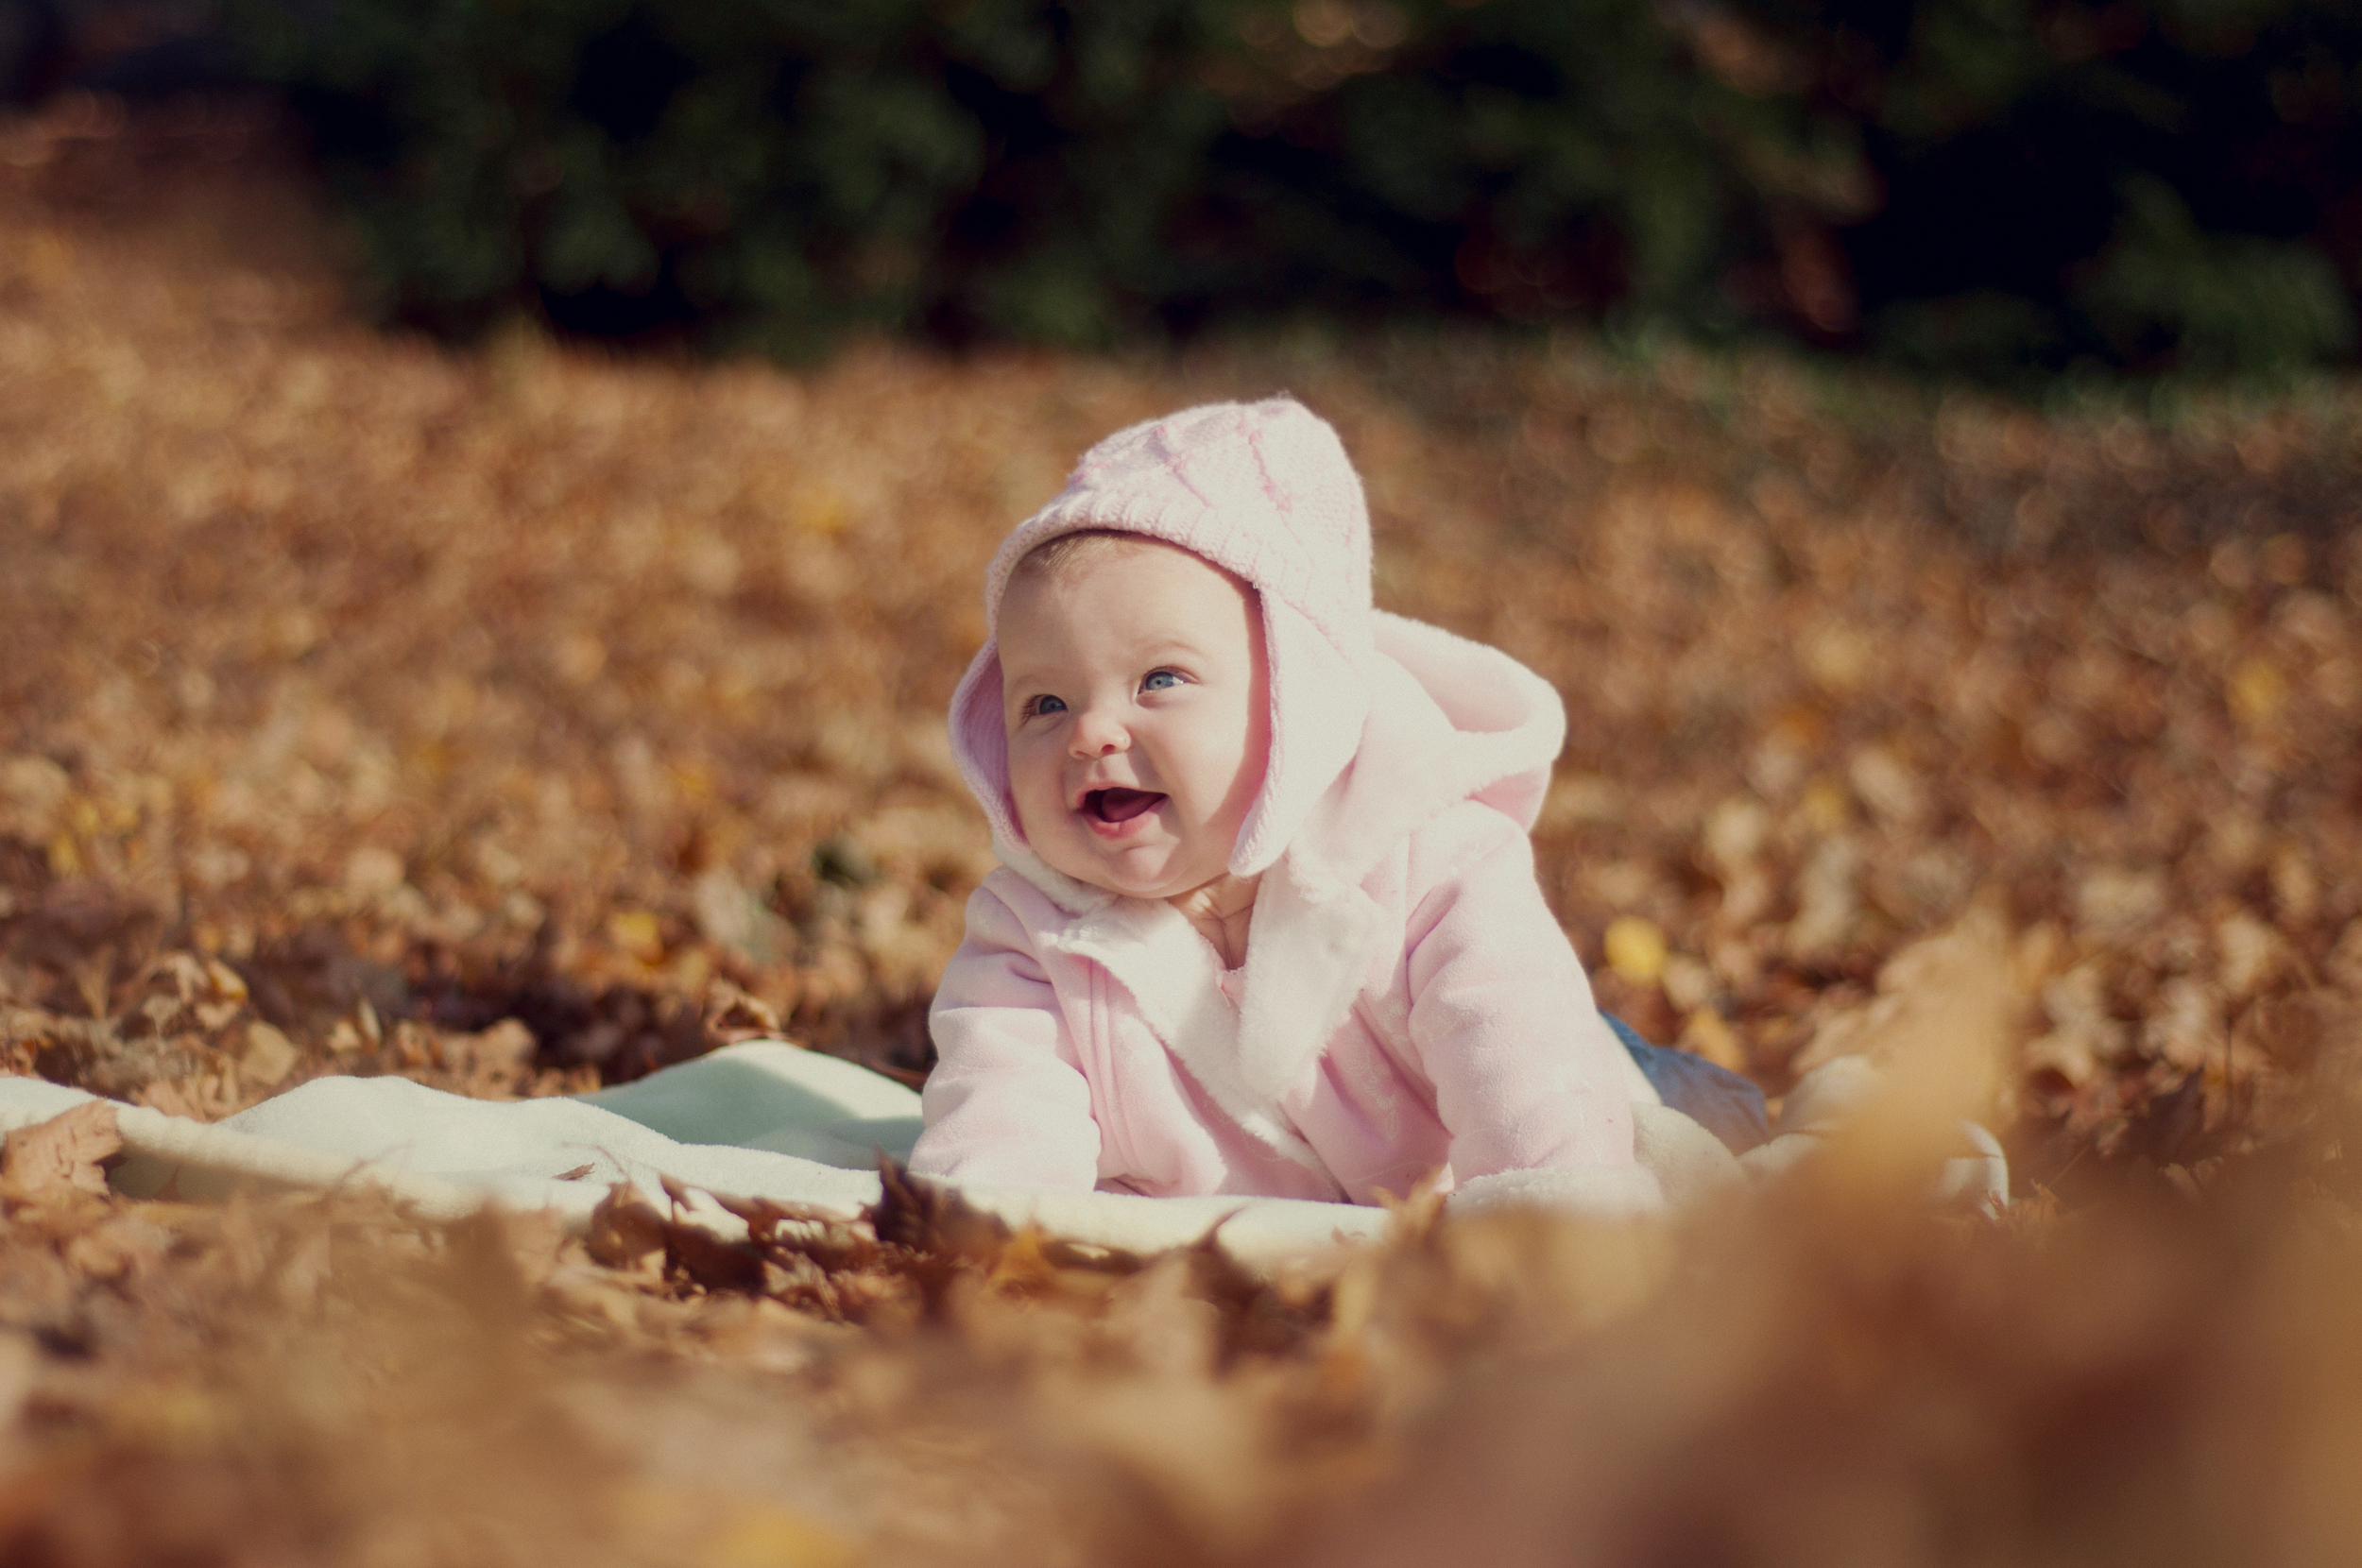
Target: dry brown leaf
point(625, 1229)
point(64, 1153)
point(270, 1055)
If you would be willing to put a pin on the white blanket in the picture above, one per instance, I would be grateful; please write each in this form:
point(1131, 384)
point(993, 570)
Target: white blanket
point(765, 1119)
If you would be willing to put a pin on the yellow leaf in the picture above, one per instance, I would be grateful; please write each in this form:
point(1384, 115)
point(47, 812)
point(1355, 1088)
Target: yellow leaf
point(1707, 1034)
point(1825, 806)
point(637, 932)
point(727, 1532)
point(765, 1536)
point(822, 512)
point(1635, 949)
point(2257, 690)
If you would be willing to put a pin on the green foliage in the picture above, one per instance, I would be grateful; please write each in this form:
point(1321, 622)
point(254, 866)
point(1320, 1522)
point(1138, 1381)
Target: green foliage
point(2224, 302)
point(2151, 184)
point(1990, 185)
point(776, 170)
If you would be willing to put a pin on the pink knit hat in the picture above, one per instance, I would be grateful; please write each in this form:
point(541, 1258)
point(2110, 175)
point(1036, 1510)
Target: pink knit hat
point(1263, 490)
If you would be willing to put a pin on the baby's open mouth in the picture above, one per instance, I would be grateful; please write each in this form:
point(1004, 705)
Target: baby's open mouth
point(1118, 805)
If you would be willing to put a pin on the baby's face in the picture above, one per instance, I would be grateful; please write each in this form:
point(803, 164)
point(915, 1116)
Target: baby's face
point(1138, 716)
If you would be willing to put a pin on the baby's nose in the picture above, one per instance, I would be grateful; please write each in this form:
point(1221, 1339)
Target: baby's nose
point(1098, 734)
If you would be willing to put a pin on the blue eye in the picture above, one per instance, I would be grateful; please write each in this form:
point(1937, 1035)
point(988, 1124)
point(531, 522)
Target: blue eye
point(1044, 704)
point(1160, 680)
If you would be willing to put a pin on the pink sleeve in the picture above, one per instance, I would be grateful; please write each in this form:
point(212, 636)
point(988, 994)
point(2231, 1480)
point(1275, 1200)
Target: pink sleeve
point(1527, 1074)
point(1007, 1104)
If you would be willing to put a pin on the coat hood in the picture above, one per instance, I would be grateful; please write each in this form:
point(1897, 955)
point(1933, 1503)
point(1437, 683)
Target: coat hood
point(1375, 720)
point(1393, 718)
point(1264, 491)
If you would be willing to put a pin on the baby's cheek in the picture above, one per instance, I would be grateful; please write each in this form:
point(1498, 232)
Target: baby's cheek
point(1036, 804)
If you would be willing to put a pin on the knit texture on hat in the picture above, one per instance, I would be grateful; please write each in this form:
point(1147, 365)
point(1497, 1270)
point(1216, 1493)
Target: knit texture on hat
point(1265, 491)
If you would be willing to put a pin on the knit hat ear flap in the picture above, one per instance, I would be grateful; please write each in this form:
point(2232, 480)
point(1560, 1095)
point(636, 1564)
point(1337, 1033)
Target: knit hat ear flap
point(1325, 702)
point(980, 742)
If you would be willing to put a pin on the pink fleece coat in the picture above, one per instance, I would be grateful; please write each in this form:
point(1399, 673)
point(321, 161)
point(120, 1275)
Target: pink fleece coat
point(1407, 1005)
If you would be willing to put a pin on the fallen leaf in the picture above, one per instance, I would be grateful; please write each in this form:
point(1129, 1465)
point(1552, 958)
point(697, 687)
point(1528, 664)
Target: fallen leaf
point(761, 1535)
point(64, 1153)
point(270, 1055)
point(625, 1229)
point(2252, 954)
point(2256, 690)
point(1708, 1034)
point(1635, 948)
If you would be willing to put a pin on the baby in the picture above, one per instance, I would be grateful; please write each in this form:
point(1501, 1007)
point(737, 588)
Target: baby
point(1267, 920)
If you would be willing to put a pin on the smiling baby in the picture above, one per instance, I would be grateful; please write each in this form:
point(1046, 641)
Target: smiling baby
point(1266, 921)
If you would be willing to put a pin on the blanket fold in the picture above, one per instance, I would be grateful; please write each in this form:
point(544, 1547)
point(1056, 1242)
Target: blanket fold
point(761, 1119)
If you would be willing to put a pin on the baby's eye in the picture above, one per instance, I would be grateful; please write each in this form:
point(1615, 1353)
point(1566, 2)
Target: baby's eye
point(1160, 680)
point(1045, 703)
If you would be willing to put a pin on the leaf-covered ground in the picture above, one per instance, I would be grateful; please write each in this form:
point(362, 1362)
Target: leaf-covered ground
point(524, 716)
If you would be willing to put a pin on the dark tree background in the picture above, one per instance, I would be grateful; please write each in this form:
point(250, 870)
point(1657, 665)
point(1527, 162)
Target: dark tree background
point(1996, 187)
